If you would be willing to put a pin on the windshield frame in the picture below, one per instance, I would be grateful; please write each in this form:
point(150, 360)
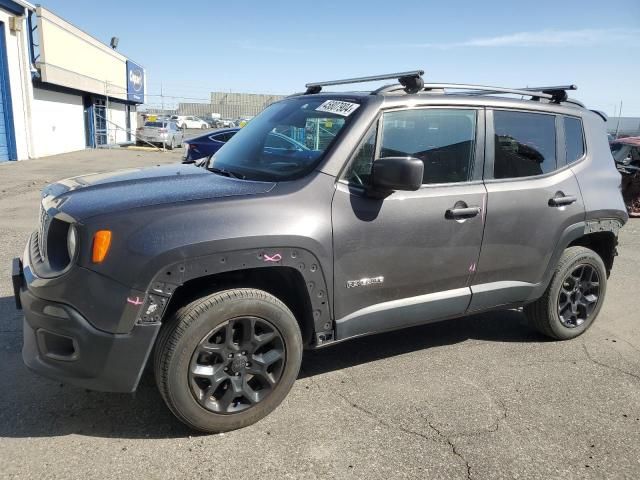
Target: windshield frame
point(262, 175)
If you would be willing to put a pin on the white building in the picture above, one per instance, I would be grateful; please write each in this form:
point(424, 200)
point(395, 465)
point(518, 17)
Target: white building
point(61, 90)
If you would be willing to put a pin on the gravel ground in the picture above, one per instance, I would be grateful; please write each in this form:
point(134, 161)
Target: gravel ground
point(483, 397)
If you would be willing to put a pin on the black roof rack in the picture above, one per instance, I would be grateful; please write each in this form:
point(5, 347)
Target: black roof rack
point(556, 94)
point(411, 81)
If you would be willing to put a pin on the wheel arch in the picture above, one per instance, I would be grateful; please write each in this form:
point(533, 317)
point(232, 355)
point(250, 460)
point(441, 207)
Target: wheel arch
point(293, 275)
point(603, 243)
point(600, 236)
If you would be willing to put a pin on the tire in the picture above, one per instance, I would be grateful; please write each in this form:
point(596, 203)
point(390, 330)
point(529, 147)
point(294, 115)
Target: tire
point(545, 313)
point(204, 127)
point(199, 324)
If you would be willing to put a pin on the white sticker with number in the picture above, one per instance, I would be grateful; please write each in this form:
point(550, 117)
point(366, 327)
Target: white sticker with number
point(338, 107)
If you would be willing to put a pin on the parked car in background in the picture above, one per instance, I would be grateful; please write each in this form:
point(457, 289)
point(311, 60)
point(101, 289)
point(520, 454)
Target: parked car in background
point(626, 153)
point(226, 123)
point(190, 121)
point(206, 145)
point(241, 122)
point(160, 132)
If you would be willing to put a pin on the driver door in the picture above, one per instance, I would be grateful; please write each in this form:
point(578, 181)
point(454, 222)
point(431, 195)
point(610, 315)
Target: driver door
point(405, 259)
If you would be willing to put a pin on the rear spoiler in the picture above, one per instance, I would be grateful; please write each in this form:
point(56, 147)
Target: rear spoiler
point(601, 114)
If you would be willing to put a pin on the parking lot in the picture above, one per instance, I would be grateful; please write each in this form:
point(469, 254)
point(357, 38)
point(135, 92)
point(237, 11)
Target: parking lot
point(483, 397)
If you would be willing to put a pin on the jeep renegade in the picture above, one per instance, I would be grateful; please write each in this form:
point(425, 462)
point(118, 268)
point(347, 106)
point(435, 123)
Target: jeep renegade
point(329, 216)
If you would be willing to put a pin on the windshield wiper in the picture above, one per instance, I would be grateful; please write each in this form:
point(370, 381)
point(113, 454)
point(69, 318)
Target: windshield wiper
point(226, 173)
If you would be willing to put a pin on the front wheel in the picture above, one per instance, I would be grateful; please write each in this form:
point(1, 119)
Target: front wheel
point(574, 297)
point(227, 360)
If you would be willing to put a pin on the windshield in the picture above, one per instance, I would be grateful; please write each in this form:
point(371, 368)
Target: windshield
point(286, 141)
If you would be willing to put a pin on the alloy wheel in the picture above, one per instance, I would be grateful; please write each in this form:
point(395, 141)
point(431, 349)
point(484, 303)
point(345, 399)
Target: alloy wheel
point(579, 295)
point(237, 365)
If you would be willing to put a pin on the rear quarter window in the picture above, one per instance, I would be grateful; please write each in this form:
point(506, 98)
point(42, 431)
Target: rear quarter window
point(525, 144)
point(574, 139)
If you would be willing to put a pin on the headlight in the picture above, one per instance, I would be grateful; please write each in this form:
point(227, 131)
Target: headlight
point(72, 241)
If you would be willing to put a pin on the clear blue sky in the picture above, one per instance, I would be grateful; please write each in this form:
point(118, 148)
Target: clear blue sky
point(194, 47)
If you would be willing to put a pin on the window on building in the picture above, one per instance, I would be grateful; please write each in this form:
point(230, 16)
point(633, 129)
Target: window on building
point(525, 144)
point(574, 139)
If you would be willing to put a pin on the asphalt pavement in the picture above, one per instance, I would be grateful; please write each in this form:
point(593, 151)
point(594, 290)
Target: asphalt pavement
point(483, 397)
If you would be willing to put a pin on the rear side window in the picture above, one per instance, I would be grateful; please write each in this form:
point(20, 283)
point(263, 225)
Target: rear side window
point(525, 144)
point(444, 139)
point(222, 137)
point(574, 139)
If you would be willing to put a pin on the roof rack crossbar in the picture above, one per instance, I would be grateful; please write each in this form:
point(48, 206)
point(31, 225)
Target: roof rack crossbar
point(484, 89)
point(411, 80)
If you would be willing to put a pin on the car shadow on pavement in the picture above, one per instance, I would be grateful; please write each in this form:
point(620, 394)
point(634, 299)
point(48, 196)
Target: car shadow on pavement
point(31, 406)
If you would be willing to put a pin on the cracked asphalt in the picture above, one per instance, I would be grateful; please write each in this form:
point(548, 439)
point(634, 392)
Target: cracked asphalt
point(483, 397)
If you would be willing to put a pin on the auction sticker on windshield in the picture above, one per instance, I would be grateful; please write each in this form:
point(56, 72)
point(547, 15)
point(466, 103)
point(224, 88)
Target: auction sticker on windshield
point(338, 107)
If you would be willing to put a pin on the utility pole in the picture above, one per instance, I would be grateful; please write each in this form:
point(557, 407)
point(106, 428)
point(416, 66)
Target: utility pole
point(106, 111)
point(619, 116)
point(161, 98)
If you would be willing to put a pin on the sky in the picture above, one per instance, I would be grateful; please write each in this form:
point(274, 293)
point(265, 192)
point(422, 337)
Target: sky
point(191, 48)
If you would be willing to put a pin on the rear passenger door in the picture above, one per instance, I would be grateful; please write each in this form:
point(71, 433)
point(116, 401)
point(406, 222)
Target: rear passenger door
point(532, 198)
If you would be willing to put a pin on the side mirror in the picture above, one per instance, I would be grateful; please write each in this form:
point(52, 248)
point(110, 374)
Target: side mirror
point(397, 173)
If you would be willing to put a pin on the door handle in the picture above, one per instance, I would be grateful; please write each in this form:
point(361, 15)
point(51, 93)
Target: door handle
point(461, 212)
point(561, 200)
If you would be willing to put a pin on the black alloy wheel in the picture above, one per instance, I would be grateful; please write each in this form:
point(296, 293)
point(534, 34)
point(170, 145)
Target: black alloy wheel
point(578, 296)
point(237, 365)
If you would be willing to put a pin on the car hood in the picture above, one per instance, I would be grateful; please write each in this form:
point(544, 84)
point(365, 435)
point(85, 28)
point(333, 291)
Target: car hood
point(89, 195)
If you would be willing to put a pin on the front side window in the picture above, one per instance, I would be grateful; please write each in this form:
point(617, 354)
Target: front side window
point(444, 139)
point(574, 139)
point(525, 144)
point(286, 140)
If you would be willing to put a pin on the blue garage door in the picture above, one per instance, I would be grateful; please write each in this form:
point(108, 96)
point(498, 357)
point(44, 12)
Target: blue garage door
point(7, 136)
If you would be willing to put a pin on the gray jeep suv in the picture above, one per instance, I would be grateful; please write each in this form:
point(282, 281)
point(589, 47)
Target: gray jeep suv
point(410, 204)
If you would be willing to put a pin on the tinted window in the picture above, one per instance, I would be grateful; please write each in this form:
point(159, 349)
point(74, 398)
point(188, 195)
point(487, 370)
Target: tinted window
point(574, 140)
point(525, 144)
point(154, 124)
point(222, 137)
point(443, 139)
point(359, 171)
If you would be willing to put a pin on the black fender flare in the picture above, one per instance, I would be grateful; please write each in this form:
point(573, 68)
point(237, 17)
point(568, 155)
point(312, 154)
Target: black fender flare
point(172, 276)
point(569, 235)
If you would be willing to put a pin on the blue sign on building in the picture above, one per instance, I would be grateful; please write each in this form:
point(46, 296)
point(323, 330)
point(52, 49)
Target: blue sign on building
point(135, 82)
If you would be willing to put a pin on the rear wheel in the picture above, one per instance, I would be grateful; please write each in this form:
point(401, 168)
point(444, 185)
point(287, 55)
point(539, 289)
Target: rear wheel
point(574, 297)
point(227, 360)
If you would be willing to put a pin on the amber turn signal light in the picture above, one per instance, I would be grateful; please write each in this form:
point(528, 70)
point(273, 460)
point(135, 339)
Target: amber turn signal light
point(101, 244)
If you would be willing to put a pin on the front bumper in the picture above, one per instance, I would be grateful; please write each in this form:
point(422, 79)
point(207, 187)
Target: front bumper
point(60, 343)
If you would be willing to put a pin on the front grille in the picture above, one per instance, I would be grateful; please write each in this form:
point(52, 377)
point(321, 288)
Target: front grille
point(43, 227)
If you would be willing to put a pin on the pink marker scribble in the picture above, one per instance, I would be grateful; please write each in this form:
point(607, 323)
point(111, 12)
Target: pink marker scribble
point(472, 268)
point(275, 258)
point(135, 301)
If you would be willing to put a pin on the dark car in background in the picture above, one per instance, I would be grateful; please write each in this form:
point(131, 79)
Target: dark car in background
point(206, 145)
point(626, 153)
